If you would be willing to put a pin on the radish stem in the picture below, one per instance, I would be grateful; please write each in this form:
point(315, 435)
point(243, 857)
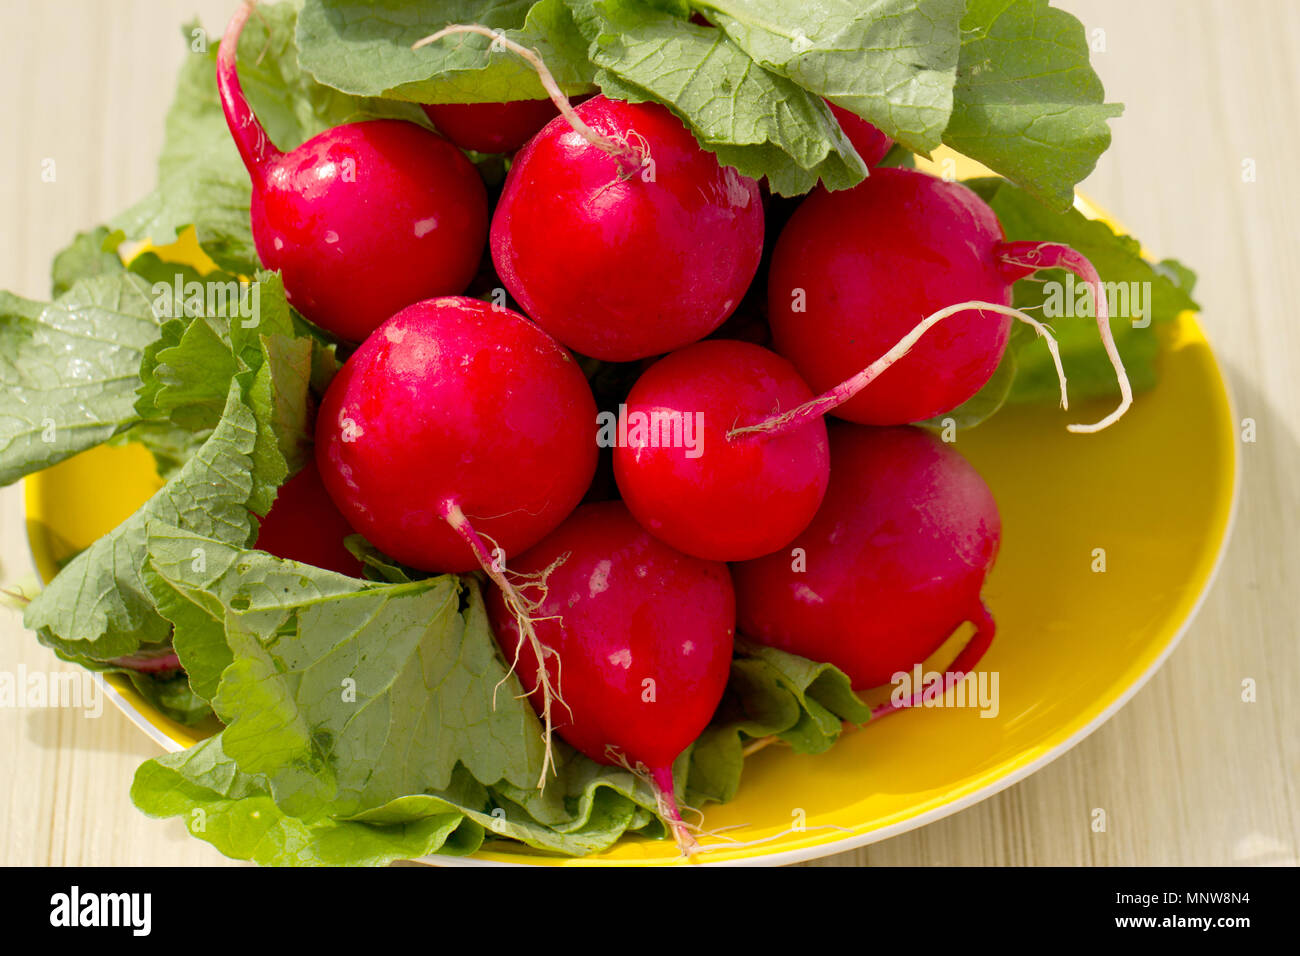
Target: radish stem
point(255, 148)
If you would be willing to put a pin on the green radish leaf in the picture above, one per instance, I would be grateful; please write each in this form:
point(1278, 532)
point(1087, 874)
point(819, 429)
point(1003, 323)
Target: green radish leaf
point(68, 369)
point(364, 48)
point(242, 821)
point(280, 398)
point(770, 693)
point(892, 62)
point(194, 579)
point(421, 673)
point(378, 566)
point(186, 374)
point(91, 253)
point(1027, 102)
point(98, 607)
point(190, 376)
point(754, 120)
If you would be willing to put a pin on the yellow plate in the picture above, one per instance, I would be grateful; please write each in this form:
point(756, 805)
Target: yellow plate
point(1156, 492)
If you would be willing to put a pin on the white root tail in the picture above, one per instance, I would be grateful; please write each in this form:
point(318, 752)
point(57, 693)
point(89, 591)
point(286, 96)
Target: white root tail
point(1054, 255)
point(524, 612)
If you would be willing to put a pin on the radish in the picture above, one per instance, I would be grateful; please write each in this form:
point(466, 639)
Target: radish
point(362, 219)
point(454, 406)
point(491, 127)
point(457, 435)
point(656, 256)
point(660, 240)
point(853, 270)
point(871, 143)
point(645, 634)
point(890, 567)
point(304, 525)
point(720, 499)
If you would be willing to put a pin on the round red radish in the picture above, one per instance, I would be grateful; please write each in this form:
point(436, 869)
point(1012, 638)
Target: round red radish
point(705, 493)
point(491, 127)
point(304, 525)
point(455, 409)
point(623, 257)
point(643, 635)
point(890, 567)
point(362, 219)
point(853, 271)
point(871, 143)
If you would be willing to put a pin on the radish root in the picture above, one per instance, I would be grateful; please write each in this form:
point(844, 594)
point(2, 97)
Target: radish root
point(733, 844)
point(846, 390)
point(660, 781)
point(16, 595)
point(1054, 255)
point(523, 611)
point(630, 157)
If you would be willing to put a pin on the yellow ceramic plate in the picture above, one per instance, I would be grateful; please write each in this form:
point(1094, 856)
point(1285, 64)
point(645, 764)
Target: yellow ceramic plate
point(1156, 492)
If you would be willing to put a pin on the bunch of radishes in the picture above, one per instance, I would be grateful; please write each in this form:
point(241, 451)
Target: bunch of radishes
point(461, 435)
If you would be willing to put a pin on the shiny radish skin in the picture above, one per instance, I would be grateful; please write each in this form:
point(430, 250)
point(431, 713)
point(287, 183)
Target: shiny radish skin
point(409, 225)
point(741, 497)
point(872, 145)
point(644, 635)
point(363, 219)
point(896, 558)
point(453, 401)
point(304, 525)
point(866, 265)
point(491, 127)
point(650, 258)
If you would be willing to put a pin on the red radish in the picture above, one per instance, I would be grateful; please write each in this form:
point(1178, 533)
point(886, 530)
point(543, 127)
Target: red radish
point(871, 143)
point(645, 634)
point(720, 498)
point(654, 257)
point(661, 241)
point(890, 567)
point(854, 270)
point(453, 402)
point(491, 127)
point(304, 525)
point(361, 220)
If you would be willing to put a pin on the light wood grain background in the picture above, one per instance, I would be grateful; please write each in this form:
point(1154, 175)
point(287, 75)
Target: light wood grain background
point(1187, 773)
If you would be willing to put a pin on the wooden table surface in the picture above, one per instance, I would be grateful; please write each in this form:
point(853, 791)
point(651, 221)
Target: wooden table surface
point(1188, 773)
